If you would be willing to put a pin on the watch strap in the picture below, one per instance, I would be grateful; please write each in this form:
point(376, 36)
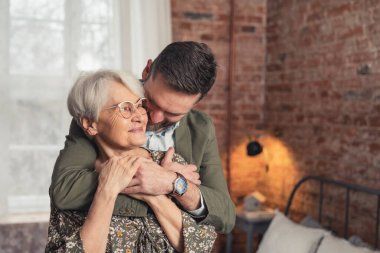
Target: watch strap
point(175, 190)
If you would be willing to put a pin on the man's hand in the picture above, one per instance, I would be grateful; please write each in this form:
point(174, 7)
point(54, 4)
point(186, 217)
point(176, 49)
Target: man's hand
point(152, 179)
point(188, 171)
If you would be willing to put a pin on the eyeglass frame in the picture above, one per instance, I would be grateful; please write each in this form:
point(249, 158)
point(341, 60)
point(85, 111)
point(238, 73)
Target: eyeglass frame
point(133, 104)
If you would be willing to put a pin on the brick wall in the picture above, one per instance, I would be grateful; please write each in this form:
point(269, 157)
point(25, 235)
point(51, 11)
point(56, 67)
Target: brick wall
point(305, 83)
point(210, 22)
point(207, 21)
point(322, 98)
point(241, 89)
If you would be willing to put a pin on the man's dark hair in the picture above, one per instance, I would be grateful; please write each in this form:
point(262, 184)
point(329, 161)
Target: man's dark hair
point(187, 66)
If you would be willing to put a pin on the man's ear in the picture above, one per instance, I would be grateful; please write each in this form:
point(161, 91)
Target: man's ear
point(89, 127)
point(147, 70)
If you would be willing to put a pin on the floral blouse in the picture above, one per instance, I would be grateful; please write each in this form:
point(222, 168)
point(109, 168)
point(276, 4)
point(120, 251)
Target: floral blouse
point(128, 234)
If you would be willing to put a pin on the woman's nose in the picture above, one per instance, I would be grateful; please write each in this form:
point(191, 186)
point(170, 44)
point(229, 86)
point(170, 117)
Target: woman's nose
point(136, 115)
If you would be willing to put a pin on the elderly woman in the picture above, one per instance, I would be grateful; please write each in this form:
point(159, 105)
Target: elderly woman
point(110, 109)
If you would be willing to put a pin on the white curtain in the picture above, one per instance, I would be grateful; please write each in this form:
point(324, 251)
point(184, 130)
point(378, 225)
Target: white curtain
point(146, 26)
point(44, 45)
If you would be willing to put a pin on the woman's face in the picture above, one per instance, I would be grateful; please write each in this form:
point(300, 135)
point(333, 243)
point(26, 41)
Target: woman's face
point(116, 131)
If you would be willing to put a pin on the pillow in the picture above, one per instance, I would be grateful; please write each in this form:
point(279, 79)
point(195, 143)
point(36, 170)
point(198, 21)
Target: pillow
point(310, 222)
point(285, 236)
point(357, 241)
point(331, 244)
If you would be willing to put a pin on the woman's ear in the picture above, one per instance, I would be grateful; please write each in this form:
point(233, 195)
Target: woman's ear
point(147, 70)
point(89, 127)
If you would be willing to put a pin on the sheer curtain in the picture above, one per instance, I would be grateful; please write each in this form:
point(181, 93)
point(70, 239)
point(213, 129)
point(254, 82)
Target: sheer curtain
point(147, 26)
point(44, 45)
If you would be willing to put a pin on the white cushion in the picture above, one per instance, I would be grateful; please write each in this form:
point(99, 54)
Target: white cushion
point(358, 242)
point(331, 244)
point(285, 236)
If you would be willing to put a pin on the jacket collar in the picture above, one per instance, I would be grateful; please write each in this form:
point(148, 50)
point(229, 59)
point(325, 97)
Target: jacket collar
point(182, 138)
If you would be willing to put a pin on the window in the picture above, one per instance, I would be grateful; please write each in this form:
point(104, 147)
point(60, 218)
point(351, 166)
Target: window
point(44, 45)
point(47, 44)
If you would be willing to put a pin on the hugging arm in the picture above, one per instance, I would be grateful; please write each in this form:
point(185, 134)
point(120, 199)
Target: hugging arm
point(73, 231)
point(221, 209)
point(114, 177)
point(74, 181)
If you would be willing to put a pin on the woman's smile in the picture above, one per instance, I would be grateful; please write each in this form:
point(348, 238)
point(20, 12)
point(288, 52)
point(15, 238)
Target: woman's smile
point(136, 130)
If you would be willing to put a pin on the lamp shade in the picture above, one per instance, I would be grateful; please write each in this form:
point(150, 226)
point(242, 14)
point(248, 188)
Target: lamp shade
point(254, 148)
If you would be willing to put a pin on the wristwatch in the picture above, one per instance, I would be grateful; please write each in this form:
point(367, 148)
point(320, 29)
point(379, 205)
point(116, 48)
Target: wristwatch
point(179, 185)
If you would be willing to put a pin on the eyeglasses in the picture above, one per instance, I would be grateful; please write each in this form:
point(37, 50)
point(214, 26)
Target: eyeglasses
point(127, 108)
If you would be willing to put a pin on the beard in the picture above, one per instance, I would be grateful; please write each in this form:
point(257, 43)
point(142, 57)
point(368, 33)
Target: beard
point(158, 127)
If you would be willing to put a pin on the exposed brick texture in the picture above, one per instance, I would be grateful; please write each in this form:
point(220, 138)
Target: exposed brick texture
point(305, 84)
point(210, 22)
point(207, 21)
point(322, 94)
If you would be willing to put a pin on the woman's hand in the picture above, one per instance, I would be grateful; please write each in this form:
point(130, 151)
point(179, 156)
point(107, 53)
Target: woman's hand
point(116, 173)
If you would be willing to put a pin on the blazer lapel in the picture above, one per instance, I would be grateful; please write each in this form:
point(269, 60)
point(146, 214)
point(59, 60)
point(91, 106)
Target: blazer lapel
point(182, 137)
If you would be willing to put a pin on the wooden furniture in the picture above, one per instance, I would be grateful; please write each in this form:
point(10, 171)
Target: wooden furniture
point(252, 223)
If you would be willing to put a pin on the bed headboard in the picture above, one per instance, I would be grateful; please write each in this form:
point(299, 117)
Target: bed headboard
point(349, 188)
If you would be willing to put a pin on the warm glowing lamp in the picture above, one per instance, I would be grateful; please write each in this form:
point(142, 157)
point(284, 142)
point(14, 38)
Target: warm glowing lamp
point(254, 148)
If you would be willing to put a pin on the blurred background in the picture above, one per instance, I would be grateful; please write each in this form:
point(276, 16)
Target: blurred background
point(299, 77)
point(45, 44)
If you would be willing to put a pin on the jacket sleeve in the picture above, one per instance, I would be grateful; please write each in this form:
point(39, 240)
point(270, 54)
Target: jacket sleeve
point(74, 181)
point(221, 209)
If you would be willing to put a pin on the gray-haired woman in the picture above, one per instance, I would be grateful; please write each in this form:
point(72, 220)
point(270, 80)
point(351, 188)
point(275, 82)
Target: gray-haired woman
point(110, 109)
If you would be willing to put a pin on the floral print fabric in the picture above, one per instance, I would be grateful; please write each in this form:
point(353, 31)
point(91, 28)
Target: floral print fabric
point(128, 234)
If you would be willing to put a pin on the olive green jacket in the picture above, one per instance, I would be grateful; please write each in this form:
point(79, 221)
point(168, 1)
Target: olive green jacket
point(74, 179)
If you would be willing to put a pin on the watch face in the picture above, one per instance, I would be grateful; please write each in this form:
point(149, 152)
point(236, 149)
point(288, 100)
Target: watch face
point(181, 186)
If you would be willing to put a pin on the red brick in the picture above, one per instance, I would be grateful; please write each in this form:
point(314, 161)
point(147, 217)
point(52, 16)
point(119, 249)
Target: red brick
point(280, 88)
point(339, 10)
point(292, 74)
point(185, 26)
point(223, 17)
point(374, 148)
point(256, 20)
point(361, 57)
point(274, 67)
point(352, 33)
point(316, 16)
point(207, 37)
point(374, 121)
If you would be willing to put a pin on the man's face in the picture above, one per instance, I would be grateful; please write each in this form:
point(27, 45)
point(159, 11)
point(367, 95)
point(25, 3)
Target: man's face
point(166, 106)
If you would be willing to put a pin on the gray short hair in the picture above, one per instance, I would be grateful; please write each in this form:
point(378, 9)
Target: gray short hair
point(90, 91)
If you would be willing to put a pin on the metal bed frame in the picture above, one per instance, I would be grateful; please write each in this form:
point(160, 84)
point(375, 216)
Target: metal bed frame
point(349, 187)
